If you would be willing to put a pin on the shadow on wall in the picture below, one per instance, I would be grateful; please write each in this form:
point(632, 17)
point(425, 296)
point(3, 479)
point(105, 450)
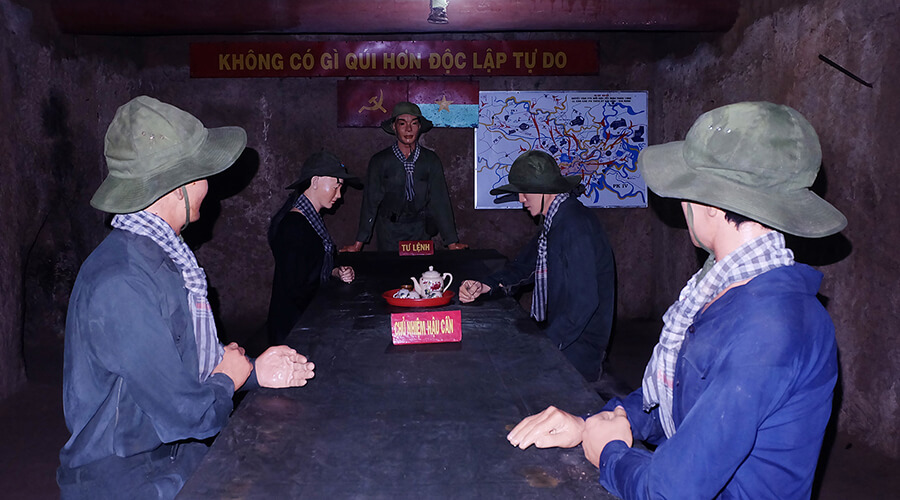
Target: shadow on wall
point(53, 241)
point(828, 440)
point(221, 186)
point(820, 251)
point(667, 209)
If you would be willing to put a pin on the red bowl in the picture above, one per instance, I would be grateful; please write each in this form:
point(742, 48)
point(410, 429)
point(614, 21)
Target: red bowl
point(435, 302)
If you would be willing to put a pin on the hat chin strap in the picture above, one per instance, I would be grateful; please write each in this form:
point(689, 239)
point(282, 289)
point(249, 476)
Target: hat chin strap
point(187, 209)
point(540, 215)
point(711, 260)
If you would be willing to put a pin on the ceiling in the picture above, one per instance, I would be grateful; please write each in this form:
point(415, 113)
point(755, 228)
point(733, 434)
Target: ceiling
point(205, 17)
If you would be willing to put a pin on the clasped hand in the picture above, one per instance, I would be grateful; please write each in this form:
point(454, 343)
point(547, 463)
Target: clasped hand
point(344, 273)
point(469, 290)
point(555, 428)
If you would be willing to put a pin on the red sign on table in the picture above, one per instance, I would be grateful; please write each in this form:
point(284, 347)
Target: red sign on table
point(417, 247)
point(426, 327)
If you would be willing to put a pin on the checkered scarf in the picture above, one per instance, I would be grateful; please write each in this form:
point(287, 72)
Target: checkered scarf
point(209, 350)
point(315, 220)
point(751, 259)
point(409, 164)
point(539, 300)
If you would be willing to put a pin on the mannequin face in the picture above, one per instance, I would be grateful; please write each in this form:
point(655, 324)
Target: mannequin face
point(407, 129)
point(532, 203)
point(171, 206)
point(197, 191)
point(703, 226)
point(323, 192)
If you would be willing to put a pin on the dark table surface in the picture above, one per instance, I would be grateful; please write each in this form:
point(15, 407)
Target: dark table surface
point(423, 421)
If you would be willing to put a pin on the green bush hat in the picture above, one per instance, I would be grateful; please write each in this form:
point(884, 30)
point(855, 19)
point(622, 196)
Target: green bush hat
point(537, 172)
point(756, 159)
point(152, 148)
point(406, 108)
point(324, 164)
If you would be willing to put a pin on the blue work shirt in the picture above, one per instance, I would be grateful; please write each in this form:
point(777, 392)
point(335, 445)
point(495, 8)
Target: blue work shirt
point(752, 397)
point(130, 376)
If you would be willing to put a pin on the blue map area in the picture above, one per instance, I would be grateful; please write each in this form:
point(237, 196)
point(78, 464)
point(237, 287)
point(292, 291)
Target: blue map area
point(597, 135)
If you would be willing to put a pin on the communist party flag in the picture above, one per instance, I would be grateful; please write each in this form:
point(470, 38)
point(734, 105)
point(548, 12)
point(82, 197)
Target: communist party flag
point(366, 103)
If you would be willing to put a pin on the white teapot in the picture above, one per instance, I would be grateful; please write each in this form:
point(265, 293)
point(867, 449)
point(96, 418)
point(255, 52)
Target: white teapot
point(432, 283)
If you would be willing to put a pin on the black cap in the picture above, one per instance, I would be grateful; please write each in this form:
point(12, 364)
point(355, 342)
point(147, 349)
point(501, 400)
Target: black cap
point(325, 164)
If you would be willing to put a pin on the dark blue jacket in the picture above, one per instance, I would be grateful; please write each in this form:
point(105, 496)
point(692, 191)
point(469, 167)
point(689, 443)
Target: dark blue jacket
point(580, 284)
point(299, 257)
point(130, 376)
point(753, 390)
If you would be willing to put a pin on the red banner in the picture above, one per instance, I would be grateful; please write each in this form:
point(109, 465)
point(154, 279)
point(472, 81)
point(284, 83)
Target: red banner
point(367, 103)
point(370, 58)
point(426, 327)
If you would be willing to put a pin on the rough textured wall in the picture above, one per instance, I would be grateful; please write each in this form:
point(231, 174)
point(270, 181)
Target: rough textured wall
point(41, 227)
point(772, 54)
point(54, 105)
point(63, 92)
point(12, 196)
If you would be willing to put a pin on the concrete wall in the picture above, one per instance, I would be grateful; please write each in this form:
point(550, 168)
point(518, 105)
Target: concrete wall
point(60, 92)
point(772, 54)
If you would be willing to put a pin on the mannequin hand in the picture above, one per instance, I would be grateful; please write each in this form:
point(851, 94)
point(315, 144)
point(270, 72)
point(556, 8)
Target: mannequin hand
point(469, 290)
point(234, 364)
point(344, 273)
point(352, 248)
point(603, 428)
point(280, 366)
point(550, 428)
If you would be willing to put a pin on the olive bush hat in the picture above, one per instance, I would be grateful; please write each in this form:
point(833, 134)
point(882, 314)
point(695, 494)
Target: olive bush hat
point(537, 172)
point(152, 148)
point(756, 159)
point(406, 108)
point(324, 164)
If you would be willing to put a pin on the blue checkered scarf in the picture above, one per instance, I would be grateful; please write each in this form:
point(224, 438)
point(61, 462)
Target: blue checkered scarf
point(751, 259)
point(209, 349)
point(539, 299)
point(315, 220)
point(409, 164)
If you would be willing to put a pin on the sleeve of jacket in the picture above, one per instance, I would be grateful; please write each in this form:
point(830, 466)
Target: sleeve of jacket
point(645, 426)
point(516, 273)
point(716, 436)
point(134, 339)
point(439, 205)
point(373, 193)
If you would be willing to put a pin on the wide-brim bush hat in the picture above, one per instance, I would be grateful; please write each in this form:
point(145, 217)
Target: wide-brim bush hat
point(537, 172)
point(406, 108)
point(757, 159)
point(152, 148)
point(324, 164)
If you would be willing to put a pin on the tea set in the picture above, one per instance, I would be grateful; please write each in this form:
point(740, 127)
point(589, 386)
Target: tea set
point(432, 284)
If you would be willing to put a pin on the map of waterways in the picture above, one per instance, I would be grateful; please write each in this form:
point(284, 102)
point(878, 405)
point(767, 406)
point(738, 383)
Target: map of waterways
point(597, 135)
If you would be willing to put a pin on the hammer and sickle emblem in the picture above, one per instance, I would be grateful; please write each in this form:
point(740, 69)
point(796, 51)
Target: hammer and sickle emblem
point(376, 103)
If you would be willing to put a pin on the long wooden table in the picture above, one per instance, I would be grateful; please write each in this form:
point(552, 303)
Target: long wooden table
point(425, 421)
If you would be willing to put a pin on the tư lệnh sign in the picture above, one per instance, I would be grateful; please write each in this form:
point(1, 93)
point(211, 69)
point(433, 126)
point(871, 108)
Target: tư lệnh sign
point(416, 247)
